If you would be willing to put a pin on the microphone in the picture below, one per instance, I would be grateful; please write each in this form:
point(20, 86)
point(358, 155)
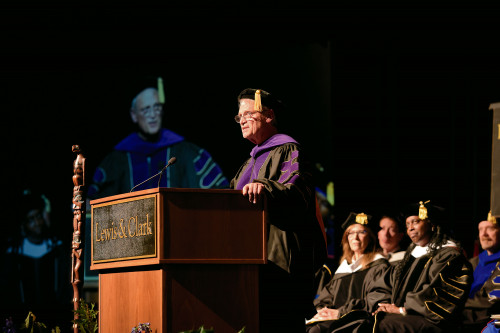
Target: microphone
point(170, 162)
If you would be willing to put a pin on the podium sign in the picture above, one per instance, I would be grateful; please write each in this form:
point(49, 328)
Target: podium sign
point(124, 230)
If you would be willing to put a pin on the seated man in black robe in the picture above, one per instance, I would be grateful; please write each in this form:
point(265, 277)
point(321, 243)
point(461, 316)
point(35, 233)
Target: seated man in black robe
point(484, 295)
point(427, 290)
point(390, 237)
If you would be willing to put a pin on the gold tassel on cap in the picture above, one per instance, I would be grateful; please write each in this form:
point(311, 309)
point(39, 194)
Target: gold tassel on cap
point(258, 101)
point(491, 218)
point(422, 211)
point(362, 218)
point(161, 91)
point(330, 195)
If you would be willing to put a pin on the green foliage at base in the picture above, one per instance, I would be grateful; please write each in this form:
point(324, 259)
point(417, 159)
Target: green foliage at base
point(87, 317)
point(199, 330)
point(32, 326)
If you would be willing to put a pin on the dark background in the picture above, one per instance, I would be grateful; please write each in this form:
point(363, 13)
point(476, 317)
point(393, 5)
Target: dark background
point(392, 99)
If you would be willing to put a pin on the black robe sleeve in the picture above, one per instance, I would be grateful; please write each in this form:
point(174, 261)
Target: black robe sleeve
point(442, 291)
point(295, 238)
point(433, 287)
point(377, 269)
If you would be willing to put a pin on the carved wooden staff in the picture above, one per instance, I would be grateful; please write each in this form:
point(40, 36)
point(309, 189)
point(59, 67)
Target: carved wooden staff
point(78, 212)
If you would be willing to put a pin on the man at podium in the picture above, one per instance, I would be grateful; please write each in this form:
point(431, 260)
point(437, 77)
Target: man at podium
point(296, 245)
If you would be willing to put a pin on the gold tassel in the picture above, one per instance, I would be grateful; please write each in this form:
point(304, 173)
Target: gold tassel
point(258, 102)
point(422, 211)
point(161, 91)
point(362, 218)
point(330, 194)
point(491, 218)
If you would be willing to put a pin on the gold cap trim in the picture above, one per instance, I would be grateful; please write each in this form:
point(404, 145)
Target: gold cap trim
point(422, 210)
point(362, 218)
point(491, 218)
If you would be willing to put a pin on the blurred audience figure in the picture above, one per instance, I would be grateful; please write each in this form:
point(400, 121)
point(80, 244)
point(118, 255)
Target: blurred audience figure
point(35, 263)
point(390, 237)
point(484, 295)
point(360, 266)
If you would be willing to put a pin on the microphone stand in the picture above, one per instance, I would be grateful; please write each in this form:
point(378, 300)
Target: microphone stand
point(170, 162)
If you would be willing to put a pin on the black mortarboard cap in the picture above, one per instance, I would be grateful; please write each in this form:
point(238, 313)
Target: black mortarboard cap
point(359, 218)
point(424, 210)
point(29, 200)
point(139, 83)
point(267, 99)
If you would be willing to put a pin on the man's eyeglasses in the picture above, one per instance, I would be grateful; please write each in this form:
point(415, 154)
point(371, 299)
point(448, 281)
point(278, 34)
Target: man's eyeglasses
point(157, 108)
point(360, 232)
point(248, 115)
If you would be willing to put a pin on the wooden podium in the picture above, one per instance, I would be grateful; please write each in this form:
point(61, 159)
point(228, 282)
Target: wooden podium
point(178, 259)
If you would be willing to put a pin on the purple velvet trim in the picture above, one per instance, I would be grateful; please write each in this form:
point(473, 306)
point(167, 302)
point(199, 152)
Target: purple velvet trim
point(252, 171)
point(289, 167)
point(134, 144)
point(274, 141)
point(259, 155)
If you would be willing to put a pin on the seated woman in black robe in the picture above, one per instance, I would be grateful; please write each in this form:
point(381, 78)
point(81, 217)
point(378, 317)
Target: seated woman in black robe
point(360, 265)
point(426, 291)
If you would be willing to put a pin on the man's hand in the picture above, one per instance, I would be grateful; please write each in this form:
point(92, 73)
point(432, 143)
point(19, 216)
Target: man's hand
point(327, 314)
point(386, 307)
point(254, 191)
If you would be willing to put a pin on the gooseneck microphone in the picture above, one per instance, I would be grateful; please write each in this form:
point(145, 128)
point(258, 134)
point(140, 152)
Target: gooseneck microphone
point(170, 162)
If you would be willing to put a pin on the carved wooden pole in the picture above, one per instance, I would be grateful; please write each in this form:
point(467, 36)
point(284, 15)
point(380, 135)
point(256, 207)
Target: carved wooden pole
point(78, 213)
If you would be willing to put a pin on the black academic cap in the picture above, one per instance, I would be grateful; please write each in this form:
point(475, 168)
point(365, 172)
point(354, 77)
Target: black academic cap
point(267, 99)
point(30, 199)
point(141, 82)
point(424, 210)
point(360, 218)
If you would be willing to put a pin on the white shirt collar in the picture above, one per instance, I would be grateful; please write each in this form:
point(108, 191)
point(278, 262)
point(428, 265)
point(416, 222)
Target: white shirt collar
point(355, 266)
point(419, 251)
point(349, 268)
